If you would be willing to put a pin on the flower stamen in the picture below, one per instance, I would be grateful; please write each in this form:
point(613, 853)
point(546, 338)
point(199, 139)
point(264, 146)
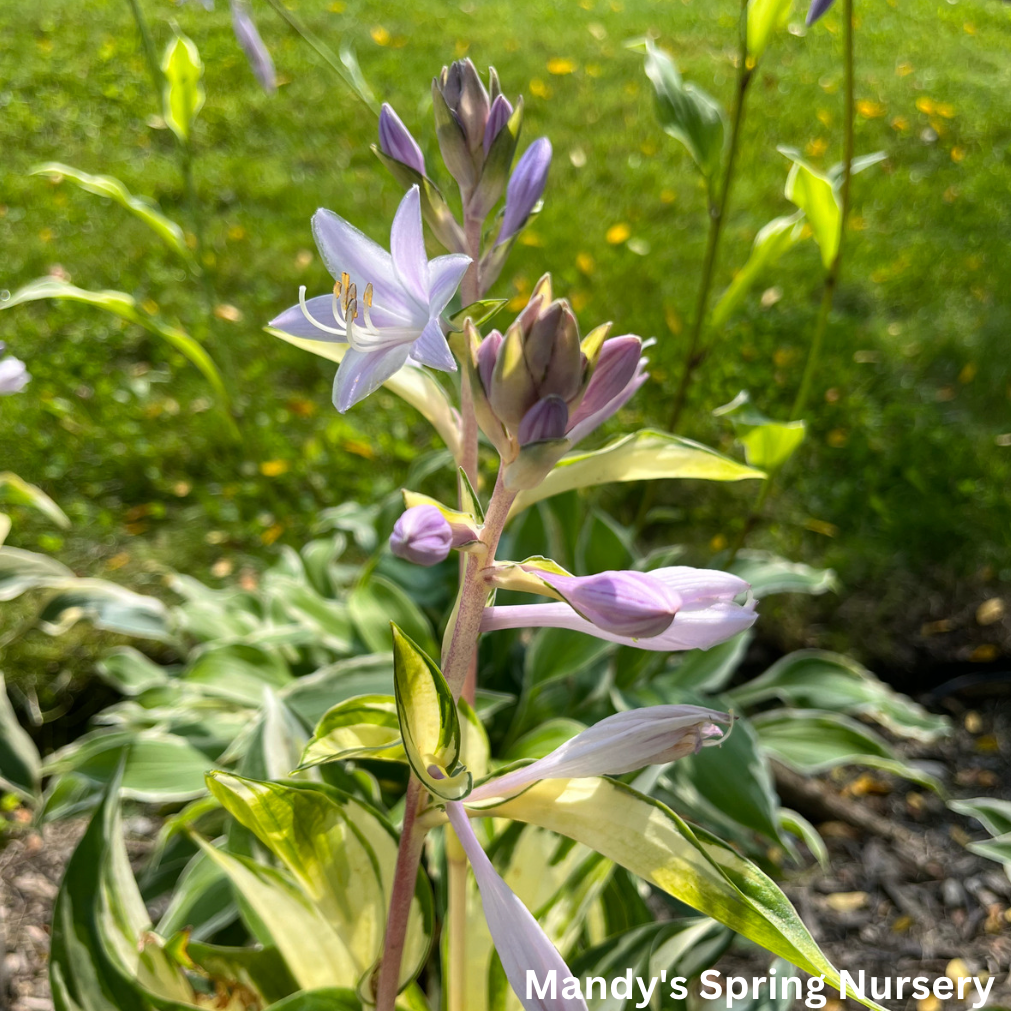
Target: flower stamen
point(315, 322)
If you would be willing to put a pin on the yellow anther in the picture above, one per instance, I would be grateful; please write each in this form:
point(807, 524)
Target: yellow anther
point(368, 295)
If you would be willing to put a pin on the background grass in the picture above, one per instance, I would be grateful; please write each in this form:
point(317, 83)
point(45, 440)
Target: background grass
point(902, 483)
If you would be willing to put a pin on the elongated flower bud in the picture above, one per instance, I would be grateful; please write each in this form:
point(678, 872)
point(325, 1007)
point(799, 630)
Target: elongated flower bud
point(498, 116)
point(396, 140)
point(422, 535)
point(616, 366)
point(618, 744)
point(547, 419)
point(519, 939)
point(625, 603)
point(525, 187)
point(487, 354)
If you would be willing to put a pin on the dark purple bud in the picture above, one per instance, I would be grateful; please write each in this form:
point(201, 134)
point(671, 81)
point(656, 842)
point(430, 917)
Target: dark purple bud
point(253, 46)
point(635, 604)
point(499, 115)
point(547, 419)
point(525, 187)
point(817, 9)
point(619, 358)
point(422, 535)
point(487, 353)
point(396, 140)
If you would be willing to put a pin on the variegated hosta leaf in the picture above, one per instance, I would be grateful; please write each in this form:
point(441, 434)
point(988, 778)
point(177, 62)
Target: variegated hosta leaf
point(429, 722)
point(20, 765)
point(108, 186)
point(768, 574)
point(16, 491)
point(414, 385)
point(362, 727)
point(340, 854)
point(818, 679)
point(643, 456)
point(119, 303)
point(650, 840)
point(812, 741)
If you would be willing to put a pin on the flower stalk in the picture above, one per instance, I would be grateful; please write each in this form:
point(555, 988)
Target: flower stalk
point(831, 278)
point(718, 204)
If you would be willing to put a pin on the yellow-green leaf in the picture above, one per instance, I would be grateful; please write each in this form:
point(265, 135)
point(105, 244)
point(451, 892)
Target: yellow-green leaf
point(362, 727)
point(341, 855)
point(16, 491)
point(649, 839)
point(642, 456)
point(764, 17)
point(769, 446)
point(429, 721)
point(119, 303)
point(814, 194)
point(108, 186)
point(183, 96)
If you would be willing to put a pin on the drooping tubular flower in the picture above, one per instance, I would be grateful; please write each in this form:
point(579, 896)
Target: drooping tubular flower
point(519, 939)
point(607, 605)
point(386, 306)
point(539, 389)
point(618, 744)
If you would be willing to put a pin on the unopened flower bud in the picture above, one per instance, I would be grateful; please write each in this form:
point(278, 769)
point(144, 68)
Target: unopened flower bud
point(525, 187)
point(547, 419)
point(615, 369)
point(629, 603)
point(422, 535)
point(498, 116)
point(396, 140)
point(253, 46)
point(487, 353)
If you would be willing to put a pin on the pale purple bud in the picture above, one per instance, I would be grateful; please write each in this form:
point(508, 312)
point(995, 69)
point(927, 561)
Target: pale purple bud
point(396, 140)
point(653, 735)
point(635, 604)
point(487, 353)
point(13, 375)
point(519, 939)
point(498, 116)
point(616, 367)
point(547, 419)
point(422, 535)
point(817, 9)
point(525, 187)
point(253, 46)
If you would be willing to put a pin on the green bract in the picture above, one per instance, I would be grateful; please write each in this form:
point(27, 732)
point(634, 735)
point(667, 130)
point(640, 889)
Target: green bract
point(429, 722)
point(183, 96)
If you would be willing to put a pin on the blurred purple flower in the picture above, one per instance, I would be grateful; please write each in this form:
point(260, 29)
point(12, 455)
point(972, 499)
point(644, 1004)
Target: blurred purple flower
point(526, 185)
point(253, 46)
point(519, 939)
point(817, 9)
point(14, 375)
point(624, 742)
point(397, 315)
point(707, 615)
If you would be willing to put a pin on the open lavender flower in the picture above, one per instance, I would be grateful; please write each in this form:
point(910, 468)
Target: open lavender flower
point(398, 313)
point(539, 386)
point(519, 940)
point(14, 375)
point(618, 744)
point(706, 616)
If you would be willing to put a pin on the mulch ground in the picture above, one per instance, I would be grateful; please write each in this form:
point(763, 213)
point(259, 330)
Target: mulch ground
point(909, 900)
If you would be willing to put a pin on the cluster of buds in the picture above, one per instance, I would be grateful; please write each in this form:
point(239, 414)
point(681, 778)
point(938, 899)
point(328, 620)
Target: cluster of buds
point(539, 389)
point(478, 130)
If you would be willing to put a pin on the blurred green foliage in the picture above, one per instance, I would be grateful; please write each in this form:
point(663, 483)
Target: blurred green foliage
point(901, 483)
